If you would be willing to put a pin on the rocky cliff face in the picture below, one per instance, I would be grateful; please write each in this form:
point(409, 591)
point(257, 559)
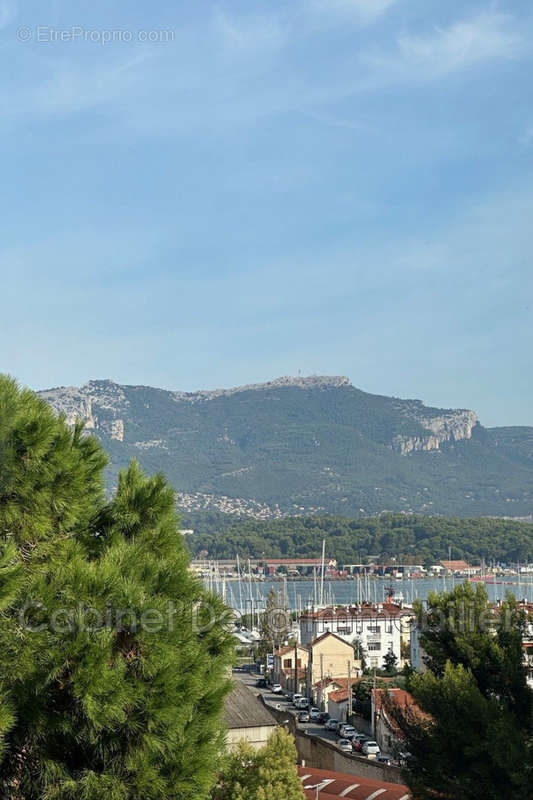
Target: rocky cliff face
point(450, 427)
point(100, 404)
point(103, 405)
point(311, 382)
point(307, 445)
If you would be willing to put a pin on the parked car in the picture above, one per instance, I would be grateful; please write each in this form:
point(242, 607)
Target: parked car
point(347, 731)
point(403, 759)
point(261, 683)
point(386, 760)
point(276, 688)
point(358, 741)
point(303, 716)
point(314, 714)
point(332, 724)
point(344, 745)
point(371, 748)
point(302, 704)
point(296, 697)
point(323, 717)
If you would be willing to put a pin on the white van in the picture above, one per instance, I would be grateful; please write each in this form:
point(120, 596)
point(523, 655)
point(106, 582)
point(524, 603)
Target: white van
point(296, 697)
point(302, 704)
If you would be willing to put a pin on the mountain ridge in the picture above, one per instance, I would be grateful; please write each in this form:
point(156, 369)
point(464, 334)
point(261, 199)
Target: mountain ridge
point(310, 444)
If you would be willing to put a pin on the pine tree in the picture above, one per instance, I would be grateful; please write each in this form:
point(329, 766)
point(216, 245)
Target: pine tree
point(10, 575)
point(51, 478)
point(267, 774)
point(390, 662)
point(112, 678)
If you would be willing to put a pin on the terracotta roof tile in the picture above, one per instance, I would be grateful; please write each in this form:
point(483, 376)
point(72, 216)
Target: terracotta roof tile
point(329, 633)
point(339, 696)
point(337, 784)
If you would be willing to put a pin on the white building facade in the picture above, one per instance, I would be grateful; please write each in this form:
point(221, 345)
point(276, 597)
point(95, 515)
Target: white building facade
point(378, 629)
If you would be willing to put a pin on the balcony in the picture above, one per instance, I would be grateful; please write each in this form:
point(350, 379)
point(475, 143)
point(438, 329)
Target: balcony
point(344, 631)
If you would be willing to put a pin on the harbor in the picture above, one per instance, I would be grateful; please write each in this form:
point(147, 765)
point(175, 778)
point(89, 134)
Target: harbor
point(249, 591)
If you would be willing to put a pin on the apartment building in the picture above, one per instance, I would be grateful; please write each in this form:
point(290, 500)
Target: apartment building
point(376, 628)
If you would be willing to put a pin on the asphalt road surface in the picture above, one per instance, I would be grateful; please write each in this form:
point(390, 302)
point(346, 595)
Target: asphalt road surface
point(250, 678)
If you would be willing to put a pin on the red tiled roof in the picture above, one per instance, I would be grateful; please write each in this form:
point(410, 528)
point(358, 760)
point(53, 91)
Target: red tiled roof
point(335, 785)
point(403, 699)
point(288, 649)
point(338, 696)
point(324, 682)
point(366, 611)
point(329, 633)
point(342, 683)
point(293, 561)
point(341, 693)
point(456, 565)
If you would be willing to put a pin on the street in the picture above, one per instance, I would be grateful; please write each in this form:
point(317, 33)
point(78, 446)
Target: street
point(284, 703)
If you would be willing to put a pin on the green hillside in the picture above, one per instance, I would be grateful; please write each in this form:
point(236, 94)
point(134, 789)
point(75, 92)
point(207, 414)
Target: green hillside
point(408, 538)
point(310, 446)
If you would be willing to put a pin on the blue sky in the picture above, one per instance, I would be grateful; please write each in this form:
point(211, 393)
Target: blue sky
point(330, 186)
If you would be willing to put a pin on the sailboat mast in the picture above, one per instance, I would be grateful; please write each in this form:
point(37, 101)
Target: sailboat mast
point(240, 586)
point(322, 572)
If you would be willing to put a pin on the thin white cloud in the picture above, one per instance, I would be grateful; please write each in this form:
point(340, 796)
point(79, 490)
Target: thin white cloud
point(250, 34)
point(181, 82)
point(73, 89)
point(489, 36)
point(466, 42)
point(258, 33)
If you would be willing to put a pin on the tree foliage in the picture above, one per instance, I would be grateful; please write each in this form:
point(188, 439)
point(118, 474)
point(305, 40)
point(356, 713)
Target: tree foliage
point(476, 743)
point(390, 662)
point(274, 624)
point(362, 692)
point(112, 671)
point(407, 538)
point(267, 774)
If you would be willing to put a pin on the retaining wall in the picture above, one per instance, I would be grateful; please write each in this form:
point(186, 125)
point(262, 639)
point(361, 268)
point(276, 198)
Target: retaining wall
point(323, 754)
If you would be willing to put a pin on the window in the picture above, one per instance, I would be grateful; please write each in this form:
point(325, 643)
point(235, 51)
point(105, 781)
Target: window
point(374, 646)
point(374, 630)
point(287, 664)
